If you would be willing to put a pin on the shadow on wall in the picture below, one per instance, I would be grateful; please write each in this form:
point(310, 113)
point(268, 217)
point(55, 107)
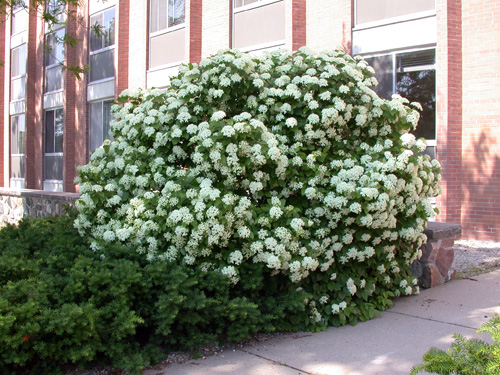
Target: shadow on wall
point(481, 187)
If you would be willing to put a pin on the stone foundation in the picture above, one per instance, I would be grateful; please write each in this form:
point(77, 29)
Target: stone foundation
point(435, 267)
point(18, 204)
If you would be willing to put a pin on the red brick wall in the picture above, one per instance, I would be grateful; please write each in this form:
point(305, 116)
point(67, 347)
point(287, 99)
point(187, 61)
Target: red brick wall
point(481, 119)
point(123, 50)
point(34, 96)
point(298, 24)
point(195, 30)
point(3, 125)
point(448, 103)
point(75, 101)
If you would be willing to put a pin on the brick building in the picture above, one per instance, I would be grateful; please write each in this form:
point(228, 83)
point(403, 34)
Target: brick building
point(443, 53)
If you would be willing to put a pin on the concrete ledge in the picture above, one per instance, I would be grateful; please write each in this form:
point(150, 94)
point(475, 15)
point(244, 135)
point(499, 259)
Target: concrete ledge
point(16, 204)
point(436, 230)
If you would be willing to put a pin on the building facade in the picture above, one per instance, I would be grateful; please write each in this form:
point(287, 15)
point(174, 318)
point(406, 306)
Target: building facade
point(442, 53)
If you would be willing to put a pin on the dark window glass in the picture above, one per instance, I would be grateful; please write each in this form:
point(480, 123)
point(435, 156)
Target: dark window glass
point(384, 72)
point(54, 78)
point(53, 167)
point(102, 65)
point(54, 132)
point(420, 86)
point(49, 132)
point(100, 118)
point(18, 61)
point(102, 33)
point(18, 134)
point(17, 146)
point(54, 48)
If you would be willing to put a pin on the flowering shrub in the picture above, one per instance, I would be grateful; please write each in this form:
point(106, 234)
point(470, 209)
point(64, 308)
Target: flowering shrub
point(288, 160)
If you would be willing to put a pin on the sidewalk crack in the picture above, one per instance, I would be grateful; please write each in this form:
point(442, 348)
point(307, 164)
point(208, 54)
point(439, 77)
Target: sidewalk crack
point(432, 320)
point(281, 363)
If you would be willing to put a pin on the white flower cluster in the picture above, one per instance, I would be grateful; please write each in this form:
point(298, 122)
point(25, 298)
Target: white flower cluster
point(288, 159)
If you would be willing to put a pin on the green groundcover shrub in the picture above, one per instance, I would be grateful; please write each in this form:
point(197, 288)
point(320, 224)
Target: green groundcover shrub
point(289, 160)
point(466, 356)
point(62, 303)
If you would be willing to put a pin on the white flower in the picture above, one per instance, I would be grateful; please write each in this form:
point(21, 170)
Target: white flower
point(275, 212)
point(291, 122)
point(217, 116)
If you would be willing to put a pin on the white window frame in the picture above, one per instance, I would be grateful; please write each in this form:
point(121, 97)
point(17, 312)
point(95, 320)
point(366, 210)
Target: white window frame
point(103, 49)
point(55, 65)
point(394, 53)
point(101, 102)
point(167, 29)
point(20, 76)
point(256, 4)
point(51, 181)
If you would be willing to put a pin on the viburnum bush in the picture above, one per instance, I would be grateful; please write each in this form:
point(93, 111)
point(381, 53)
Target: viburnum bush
point(289, 160)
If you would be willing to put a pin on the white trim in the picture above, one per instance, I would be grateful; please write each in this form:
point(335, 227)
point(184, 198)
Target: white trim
point(268, 45)
point(17, 183)
point(396, 36)
point(393, 20)
point(166, 66)
point(53, 185)
point(54, 154)
point(257, 4)
point(17, 107)
point(53, 99)
point(102, 50)
point(168, 30)
point(104, 88)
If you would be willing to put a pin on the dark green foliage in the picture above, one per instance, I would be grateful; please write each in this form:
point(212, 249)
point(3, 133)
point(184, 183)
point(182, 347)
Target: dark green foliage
point(61, 303)
point(466, 356)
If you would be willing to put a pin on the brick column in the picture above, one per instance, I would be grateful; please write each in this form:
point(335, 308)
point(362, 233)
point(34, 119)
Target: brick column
point(4, 119)
point(34, 97)
point(75, 143)
point(449, 108)
point(122, 36)
point(298, 24)
point(195, 30)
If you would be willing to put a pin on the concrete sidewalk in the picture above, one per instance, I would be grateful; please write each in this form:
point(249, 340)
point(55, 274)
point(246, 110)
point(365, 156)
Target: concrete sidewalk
point(388, 345)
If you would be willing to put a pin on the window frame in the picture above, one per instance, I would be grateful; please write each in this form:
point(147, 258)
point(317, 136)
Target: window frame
point(104, 49)
point(168, 28)
point(21, 76)
point(57, 64)
point(253, 5)
point(54, 153)
point(395, 70)
point(18, 154)
point(15, 11)
point(102, 135)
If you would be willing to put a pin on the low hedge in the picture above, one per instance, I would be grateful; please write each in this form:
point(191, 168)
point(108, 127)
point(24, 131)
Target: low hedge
point(62, 303)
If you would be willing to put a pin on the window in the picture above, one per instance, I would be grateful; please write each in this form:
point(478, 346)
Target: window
point(102, 42)
point(242, 3)
point(367, 11)
point(166, 13)
point(100, 117)
point(258, 24)
point(54, 57)
point(18, 73)
point(413, 76)
point(19, 21)
point(167, 39)
point(17, 146)
point(54, 131)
